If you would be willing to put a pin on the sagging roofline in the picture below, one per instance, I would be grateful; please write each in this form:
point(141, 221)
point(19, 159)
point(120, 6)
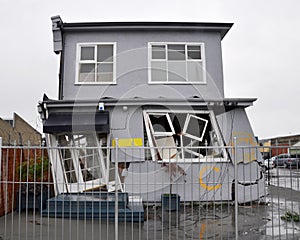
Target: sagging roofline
point(225, 103)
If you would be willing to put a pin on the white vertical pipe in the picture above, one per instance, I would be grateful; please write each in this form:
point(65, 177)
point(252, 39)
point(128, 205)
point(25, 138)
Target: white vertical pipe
point(116, 190)
point(236, 190)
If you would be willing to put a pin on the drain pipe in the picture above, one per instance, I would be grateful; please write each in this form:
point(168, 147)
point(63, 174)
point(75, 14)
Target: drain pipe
point(236, 191)
point(116, 191)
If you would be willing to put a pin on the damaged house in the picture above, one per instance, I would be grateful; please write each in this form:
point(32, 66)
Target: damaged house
point(149, 95)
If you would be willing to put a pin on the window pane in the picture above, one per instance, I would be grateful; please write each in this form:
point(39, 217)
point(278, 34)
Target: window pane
point(195, 72)
point(105, 67)
point(177, 47)
point(158, 71)
point(87, 73)
point(158, 47)
point(104, 77)
point(176, 52)
point(105, 72)
point(105, 53)
point(176, 56)
point(193, 48)
point(89, 159)
point(87, 53)
point(176, 72)
point(160, 123)
point(194, 55)
point(158, 52)
point(194, 52)
point(87, 68)
point(158, 55)
point(196, 127)
point(66, 159)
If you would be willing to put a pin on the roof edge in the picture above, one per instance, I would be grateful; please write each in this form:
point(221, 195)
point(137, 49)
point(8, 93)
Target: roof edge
point(223, 28)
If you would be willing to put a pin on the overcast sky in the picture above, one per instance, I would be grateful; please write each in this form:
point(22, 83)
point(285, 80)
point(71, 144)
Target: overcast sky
point(261, 53)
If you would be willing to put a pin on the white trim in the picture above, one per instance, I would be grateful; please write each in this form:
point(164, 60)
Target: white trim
point(218, 132)
point(77, 186)
point(189, 113)
point(205, 159)
point(78, 61)
point(185, 127)
point(56, 167)
point(161, 133)
point(156, 111)
point(150, 140)
point(203, 61)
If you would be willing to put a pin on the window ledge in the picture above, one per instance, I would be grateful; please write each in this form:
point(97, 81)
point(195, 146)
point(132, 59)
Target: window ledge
point(94, 83)
point(177, 83)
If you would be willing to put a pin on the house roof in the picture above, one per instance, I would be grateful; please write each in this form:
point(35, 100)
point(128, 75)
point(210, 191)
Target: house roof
point(223, 28)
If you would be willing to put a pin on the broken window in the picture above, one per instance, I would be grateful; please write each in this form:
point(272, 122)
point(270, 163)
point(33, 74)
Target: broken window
point(178, 135)
point(193, 122)
point(83, 161)
point(88, 156)
point(69, 169)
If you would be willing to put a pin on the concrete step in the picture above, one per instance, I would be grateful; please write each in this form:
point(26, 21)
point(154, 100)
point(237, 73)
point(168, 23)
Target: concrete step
point(96, 205)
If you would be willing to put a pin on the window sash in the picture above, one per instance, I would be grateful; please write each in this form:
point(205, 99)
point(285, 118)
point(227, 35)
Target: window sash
point(101, 64)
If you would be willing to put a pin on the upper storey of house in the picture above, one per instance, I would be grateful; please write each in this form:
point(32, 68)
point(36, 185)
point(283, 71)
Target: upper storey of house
point(168, 60)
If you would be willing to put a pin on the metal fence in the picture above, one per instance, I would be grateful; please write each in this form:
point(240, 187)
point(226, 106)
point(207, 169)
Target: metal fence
point(186, 197)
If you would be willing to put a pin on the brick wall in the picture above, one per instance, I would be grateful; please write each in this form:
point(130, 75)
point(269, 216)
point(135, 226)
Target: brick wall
point(11, 158)
point(20, 133)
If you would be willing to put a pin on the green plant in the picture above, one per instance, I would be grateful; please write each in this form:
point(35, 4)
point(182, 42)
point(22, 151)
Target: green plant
point(34, 170)
point(291, 216)
point(33, 173)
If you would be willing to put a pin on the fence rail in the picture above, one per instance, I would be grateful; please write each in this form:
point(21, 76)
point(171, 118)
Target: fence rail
point(217, 194)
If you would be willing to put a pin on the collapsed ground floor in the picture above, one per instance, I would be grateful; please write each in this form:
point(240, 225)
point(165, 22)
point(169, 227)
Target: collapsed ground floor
point(189, 148)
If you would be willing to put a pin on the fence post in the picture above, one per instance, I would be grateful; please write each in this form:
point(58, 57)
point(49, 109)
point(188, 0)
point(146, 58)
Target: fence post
point(116, 189)
point(236, 190)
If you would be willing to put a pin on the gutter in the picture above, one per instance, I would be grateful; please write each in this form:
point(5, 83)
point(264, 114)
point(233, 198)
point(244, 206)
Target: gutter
point(226, 104)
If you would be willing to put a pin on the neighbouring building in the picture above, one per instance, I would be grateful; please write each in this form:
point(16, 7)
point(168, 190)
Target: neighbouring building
point(155, 92)
point(17, 131)
point(282, 144)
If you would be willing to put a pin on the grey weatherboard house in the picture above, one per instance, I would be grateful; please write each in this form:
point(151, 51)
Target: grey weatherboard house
point(156, 90)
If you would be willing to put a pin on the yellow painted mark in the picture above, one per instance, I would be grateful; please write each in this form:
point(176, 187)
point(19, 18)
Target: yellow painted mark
point(128, 142)
point(138, 142)
point(202, 231)
point(245, 139)
point(204, 185)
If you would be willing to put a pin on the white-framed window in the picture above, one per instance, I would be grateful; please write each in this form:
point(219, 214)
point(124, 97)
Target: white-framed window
point(195, 130)
point(189, 125)
point(177, 63)
point(161, 124)
point(96, 63)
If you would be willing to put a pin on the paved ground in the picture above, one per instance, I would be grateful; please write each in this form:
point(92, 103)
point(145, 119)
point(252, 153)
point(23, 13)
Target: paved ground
point(259, 220)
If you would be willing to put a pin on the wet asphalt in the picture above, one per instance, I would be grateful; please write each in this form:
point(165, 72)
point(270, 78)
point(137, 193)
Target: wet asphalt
point(264, 219)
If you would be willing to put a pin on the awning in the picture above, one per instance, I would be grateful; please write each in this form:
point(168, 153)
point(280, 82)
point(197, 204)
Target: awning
point(58, 122)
